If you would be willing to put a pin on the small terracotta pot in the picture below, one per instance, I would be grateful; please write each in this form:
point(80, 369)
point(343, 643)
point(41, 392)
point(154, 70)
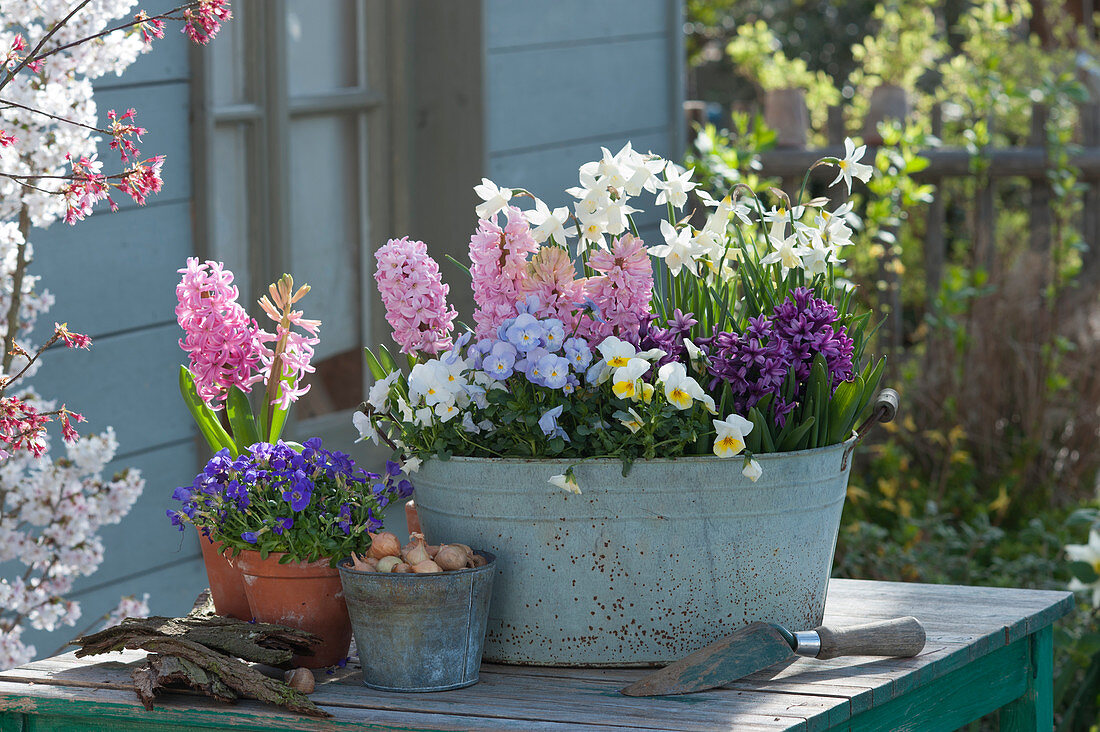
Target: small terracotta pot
point(303, 595)
point(226, 583)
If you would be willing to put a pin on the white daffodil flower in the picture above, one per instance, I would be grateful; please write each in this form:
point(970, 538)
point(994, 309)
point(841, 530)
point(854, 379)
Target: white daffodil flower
point(850, 167)
point(592, 227)
point(680, 389)
point(615, 216)
point(679, 249)
point(610, 170)
point(635, 422)
point(674, 188)
point(730, 439)
point(815, 259)
point(566, 482)
point(379, 392)
point(787, 252)
point(495, 199)
point(1089, 554)
point(752, 470)
point(365, 425)
point(720, 219)
point(645, 175)
point(625, 381)
point(546, 223)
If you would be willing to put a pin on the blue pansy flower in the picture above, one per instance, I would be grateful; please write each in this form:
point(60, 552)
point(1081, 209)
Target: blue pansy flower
point(526, 333)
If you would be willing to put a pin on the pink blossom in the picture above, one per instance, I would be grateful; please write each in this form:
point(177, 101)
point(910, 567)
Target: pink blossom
point(88, 187)
point(204, 20)
point(415, 297)
point(622, 292)
point(499, 271)
point(7, 140)
point(222, 341)
point(150, 29)
point(121, 131)
point(551, 277)
point(285, 366)
point(141, 180)
point(72, 340)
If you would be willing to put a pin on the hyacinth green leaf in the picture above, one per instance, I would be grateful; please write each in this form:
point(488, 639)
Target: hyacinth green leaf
point(760, 426)
point(377, 370)
point(870, 383)
point(207, 421)
point(239, 411)
point(843, 409)
point(797, 436)
point(387, 359)
point(819, 389)
point(278, 414)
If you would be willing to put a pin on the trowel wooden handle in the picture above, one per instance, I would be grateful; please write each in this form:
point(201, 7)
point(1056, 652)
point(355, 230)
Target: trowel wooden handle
point(896, 637)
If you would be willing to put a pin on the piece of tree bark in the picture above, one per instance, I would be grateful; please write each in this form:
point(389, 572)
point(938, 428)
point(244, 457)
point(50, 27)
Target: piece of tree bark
point(265, 643)
point(216, 674)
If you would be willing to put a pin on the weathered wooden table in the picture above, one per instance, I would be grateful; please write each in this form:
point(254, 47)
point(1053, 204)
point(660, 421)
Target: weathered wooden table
point(988, 649)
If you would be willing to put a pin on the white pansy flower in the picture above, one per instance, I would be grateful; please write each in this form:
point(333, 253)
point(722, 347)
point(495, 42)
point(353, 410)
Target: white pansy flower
point(730, 439)
point(674, 188)
point(680, 389)
point(423, 417)
point(380, 391)
point(625, 381)
point(752, 470)
point(616, 352)
point(679, 249)
point(365, 425)
point(566, 482)
point(411, 465)
point(494, 199)
point(850, 167)
point(634, 423)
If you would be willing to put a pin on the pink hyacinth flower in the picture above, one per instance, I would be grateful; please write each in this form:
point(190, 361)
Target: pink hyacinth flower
point(499, 269)
point(414, 296)
point(222, 342)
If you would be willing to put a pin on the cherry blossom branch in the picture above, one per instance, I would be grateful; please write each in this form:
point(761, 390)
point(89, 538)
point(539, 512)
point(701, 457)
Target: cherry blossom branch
point(16, 293)
point(10, 105)
point(136, 21)
point(31, 57)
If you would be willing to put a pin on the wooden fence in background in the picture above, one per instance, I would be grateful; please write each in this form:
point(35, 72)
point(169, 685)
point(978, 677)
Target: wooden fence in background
point(1029, 162)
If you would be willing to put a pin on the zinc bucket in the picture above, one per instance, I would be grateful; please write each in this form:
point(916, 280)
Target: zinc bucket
point(419, 632)
point(640, 570)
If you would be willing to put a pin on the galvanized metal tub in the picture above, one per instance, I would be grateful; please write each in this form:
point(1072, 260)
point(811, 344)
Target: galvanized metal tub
point(419, 632)
point(645, 569)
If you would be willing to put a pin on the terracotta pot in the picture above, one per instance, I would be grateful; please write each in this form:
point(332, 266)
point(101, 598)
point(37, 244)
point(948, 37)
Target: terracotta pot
point(226, 584)
point(888, 101)
point(304, 595)
point(785, 112)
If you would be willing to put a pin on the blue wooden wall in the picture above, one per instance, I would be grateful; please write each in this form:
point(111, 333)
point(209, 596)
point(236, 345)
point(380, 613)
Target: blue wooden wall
point(563, 78)
point(114, 277)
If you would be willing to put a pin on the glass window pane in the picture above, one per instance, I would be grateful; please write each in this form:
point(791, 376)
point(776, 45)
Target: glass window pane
point(229, 180)
point(321, 45)
point(227, 58)
point(324, 226)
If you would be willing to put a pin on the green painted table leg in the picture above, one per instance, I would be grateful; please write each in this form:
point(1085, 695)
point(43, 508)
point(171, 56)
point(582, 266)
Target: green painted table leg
point(11, 722)
point(1034, 711)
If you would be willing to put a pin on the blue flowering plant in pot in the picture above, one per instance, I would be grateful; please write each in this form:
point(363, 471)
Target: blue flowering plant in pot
point(691, 404)
point(287, 516)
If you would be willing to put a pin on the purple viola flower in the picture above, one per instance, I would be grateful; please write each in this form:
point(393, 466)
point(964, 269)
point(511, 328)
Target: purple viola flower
point(589, 306)
point(500, 361)
point(554, 336)
point(250, 536)
point(529, 306)
point(344, 517)
point(526, 333)
point(548, 423)
point(404, 489)
point(282, 524)
point(480, 350)
point(183, 493)
point(578, 353)
point(530, 365)
point(554, 371)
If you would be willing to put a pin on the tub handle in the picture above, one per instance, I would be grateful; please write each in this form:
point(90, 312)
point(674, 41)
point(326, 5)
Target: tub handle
point(885, 409)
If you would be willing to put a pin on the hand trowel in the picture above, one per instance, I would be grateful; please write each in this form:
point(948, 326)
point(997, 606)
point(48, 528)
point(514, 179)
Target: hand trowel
point(760, 645)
